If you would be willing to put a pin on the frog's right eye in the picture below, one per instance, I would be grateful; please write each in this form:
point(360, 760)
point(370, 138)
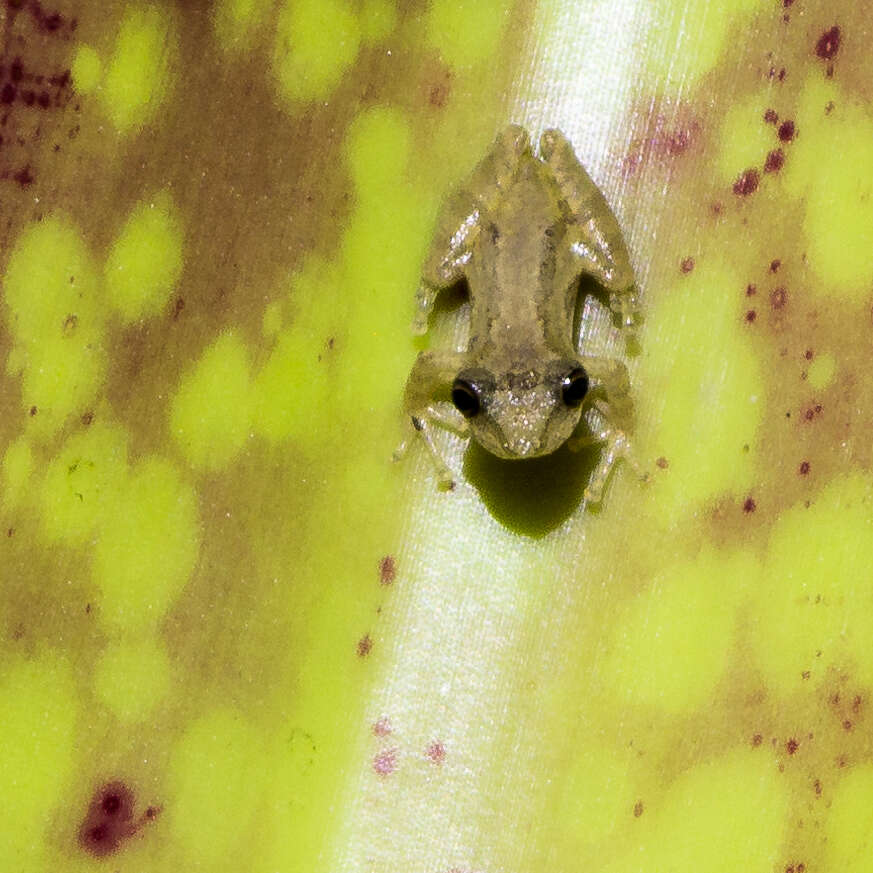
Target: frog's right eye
point(465, 396)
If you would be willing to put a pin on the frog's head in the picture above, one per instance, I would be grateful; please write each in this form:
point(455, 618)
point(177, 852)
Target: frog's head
point(522, 414)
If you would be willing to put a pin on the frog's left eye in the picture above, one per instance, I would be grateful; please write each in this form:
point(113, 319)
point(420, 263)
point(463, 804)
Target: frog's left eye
point(465, 396)
point(574, 386)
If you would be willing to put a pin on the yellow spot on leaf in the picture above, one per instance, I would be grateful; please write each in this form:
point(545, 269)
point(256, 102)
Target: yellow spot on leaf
point(216, 776)
point(54, 315)
point(378, 19)
point(672, 644)
point(831, 169)
point(132, 677)
point(376, 151)
point(15, 472)
point(292, 384)
point(597, 795)
point(271, 322)
point(848, 835)
point(701, 394)
point(467, 32)
point(720, 816)
point(815, 611)
point(145, 261)
point(138, 75)
point(86, 69)
point(316, 42)
point(211, 411)
point(82, 482)
point(40, 705)
point(821, 371)
point(147, 548)
point(686, 40)
point(236, 21)
point(744, 139)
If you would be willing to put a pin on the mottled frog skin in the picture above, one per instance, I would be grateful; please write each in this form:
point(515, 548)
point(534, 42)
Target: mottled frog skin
point(521, 232)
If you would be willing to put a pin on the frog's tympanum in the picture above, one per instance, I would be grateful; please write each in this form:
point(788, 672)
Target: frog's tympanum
point(522, 232)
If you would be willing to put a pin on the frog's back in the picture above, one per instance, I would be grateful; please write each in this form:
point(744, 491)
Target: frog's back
point(512, 267)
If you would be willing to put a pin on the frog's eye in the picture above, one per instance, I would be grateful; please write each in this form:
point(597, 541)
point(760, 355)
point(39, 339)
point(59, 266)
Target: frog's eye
point(574, 386)
point(465, 396)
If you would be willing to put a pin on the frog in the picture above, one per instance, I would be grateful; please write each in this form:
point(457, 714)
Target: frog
point(521, 233)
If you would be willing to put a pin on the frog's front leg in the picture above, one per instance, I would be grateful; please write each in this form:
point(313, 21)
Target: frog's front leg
point(459, 221)
point(432, 375)
point(594, 236)
point(611, 399)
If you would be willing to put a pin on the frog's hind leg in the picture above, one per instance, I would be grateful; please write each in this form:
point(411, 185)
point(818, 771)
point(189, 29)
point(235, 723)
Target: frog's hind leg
point(595, 237)
point(458, 224)
point(431, 375)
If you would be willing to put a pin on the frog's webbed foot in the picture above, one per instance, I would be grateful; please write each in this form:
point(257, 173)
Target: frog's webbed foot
point(459, 220)
point(595, 237)
point(432, 373)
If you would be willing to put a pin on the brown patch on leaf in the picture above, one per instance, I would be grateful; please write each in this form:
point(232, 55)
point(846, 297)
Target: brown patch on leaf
point(387, 570)
point(828, 44)
point(774, 161)
point(365, 644)
point(747, 183)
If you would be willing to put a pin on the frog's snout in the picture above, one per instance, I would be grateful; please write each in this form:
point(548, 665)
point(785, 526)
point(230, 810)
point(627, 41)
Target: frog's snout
point(522, 446)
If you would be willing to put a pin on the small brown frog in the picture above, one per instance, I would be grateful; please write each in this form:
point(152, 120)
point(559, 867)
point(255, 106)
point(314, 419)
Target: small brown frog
point(521, 232)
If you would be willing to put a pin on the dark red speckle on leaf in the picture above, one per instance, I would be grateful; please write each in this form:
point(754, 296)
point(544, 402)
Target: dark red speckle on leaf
point(791, 746)
point(751, 315)
point(828, 44)
point(24, 177)
point(687, 265)
point(7, 93)
point(786, 131)
point(747, 183)
point(385, 762)
point(638, 809)
point(787, 3)
point(387, 570)
point(774, 161)
point(757, 739)
point(749, 505)
point(751, 290)
point(803, 469)
point(109, 820)
point(365, 644)
point(770, 116)
point(381, 727)
point(436, 752)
